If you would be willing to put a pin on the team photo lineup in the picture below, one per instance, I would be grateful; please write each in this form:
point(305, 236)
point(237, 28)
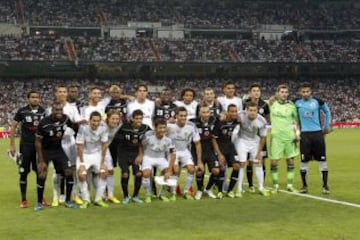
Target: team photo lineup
point(222, 137)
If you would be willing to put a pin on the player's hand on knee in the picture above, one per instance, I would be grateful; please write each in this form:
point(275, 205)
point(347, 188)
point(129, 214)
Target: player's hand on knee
point(42, 170)
point(82, 173)
point(103, 171)
point(199, 168)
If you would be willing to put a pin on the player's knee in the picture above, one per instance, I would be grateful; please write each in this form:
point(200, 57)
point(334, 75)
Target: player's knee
point(236, 166)
point(146, 173)
point(110, 172)
point(323, 166)
point(273, 168)
point(215, 171)
point(190, 169)
point(82, 177)
point(138, 174)
point(103, 175)
point(242, 165)
point(125, 174)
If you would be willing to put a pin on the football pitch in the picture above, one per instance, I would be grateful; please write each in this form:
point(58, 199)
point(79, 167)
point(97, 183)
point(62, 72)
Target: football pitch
point(280, 216)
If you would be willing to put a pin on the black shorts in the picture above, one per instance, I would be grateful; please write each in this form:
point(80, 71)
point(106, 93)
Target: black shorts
point(209, 158)
point(28, 158)
point(127, 160)
point(312, 146)
point(59, 159)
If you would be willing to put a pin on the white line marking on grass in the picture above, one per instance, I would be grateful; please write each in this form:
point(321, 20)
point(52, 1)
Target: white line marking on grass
point(322, 199)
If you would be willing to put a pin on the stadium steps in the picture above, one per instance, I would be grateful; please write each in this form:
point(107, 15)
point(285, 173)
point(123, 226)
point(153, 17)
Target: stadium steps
point(155, 51)
point(233, 55)
point(70, 50)
point(19, 10)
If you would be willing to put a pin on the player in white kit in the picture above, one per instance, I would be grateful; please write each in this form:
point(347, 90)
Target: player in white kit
point(249, 139)
point(94, 104)
point(158, 151)
point(92, 146)
point(142, 103)
point(183, 133)
point(187, 101)
point(230, 97)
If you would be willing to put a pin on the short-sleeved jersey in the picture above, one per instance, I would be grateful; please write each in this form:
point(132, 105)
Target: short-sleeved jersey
point(51, 131)
point(215, 109)
point(155, 147)
point(223, 131)
point(182, 137)
point(309, 114)
point(225, 102)
point(128, 138)
point(29, 119)
point(148, 108)
point(190, 108)
point(118, 105)
point(283, 116)
point(88, 109)
point(263, 107)
point(251, 130)
point(92, 139)
point(205, 131)
point(165, 111)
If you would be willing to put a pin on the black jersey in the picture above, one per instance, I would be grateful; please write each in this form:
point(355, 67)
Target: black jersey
point(215, 110)
point(205, 131)
point(222, 133)
point(263, 107)
point(128, 138)
point(165, 111)
point(29, 119)
point(52, 131)
point(119, 105)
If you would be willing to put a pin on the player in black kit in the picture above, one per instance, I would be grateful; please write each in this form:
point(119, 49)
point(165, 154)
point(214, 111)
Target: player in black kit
point(48, 147)
point(164, 107)
point(28, 117)
point(127, 140)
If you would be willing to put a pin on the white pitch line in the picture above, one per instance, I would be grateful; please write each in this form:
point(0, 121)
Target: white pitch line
point(322, 199)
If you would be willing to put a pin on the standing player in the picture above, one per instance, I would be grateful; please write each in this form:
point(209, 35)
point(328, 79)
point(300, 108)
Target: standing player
point(264, 111)
point(94, 104)
point(205, 125)
point(284, 136)
point(230, 97)
point(225, 149)
point(188, 102)
point(210, 101)
point(28, 117)
point(183, 134)
point(312, 143)
point(128, 142)
point(117, 102)
point(158, 151)
point(113, 119)
point(164, 107)
point(92, 141)
point(68, 144)
point(249, 141)
point(141, 102)
point(48, 148)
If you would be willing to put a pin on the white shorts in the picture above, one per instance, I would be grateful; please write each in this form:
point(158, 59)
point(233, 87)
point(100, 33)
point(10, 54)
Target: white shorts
point(108, 160)
point(91, 161)
point(69, 146)
point(245, 148)
point(149, 163)
point(184, 158)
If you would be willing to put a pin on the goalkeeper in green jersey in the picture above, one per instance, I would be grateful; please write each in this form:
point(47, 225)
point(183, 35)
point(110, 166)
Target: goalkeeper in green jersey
point(284, 136)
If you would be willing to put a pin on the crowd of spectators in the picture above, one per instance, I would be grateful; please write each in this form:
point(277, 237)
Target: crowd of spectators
point(302, 14)
point(182, 50)
point(341, 94)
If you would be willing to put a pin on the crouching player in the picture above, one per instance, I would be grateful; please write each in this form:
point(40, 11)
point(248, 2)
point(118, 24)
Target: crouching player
point(249, 140)
point(158, 151)
point(91, 143)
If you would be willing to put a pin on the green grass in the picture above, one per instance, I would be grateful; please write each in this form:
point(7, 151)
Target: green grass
point(280, 216)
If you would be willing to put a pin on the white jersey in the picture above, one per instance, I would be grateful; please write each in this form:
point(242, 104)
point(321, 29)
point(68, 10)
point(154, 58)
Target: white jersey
point(91, 139)
point(182, 137)
point(147, 107)
point(225, 102)
point(70, 110)
point(157, 148)
point(251, 130)
point(190, 108)
point(87, 110)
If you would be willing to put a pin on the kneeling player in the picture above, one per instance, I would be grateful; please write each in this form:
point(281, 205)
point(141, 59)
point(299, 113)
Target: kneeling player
point(158, 151)
point(92, 141)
